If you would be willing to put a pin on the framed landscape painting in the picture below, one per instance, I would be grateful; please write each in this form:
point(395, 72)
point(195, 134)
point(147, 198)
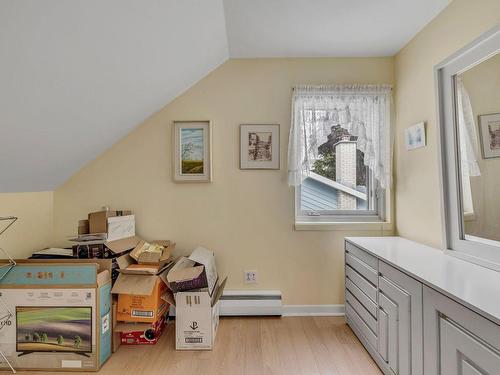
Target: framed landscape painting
point(259, 146)
point(192, 151)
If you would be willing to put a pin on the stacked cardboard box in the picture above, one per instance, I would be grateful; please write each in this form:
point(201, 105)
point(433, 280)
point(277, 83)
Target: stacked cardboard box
point(197, 289)
point(107, 234)
point(140, 310)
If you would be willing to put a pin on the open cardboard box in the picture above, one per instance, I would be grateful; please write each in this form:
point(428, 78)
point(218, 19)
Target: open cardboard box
point(139, 296)
point(98, 221)
point(197, 318)
point(153, 258)
point(197, 271)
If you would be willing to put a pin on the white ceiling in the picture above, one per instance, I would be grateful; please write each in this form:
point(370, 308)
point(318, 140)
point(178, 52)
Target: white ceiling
point(314, 28)
point(76, 76)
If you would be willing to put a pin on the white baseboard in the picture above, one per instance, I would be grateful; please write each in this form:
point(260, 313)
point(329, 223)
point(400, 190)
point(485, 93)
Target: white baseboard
point(313, 310)
point(289, 310)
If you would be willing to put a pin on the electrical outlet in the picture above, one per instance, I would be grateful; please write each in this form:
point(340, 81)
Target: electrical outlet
point(250, 277)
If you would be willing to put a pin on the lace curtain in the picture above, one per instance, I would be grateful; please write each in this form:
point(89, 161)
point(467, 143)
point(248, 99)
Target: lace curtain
point(468, 133)
point(363, 110)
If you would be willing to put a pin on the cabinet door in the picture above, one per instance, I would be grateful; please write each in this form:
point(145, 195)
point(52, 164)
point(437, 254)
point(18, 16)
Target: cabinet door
point(463, 354)
point(388, 330)
point(400, 298)
point(458, 341)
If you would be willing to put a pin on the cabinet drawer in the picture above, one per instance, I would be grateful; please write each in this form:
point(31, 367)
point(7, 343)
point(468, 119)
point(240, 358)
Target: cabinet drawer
point(361, 254)
point(362, 312)
point(353, 316)
point(361, 297)
point(362, 283)
point(362, 268)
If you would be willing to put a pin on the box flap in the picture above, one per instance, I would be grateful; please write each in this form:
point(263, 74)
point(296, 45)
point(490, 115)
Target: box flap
point(202, 256)
point(132, 327)
point(184, 274)
point(220, 290)
point(140, 269)
point(207, 258)
point(164, 272)
point(180, 264)
point(164, 243)
point(119, 246)
point(168, 296)
point(139, 251)
point(138, 285)
point(124, 261)
point(103, 277)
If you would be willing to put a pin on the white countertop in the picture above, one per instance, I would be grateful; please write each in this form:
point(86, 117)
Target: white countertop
point(474, 286)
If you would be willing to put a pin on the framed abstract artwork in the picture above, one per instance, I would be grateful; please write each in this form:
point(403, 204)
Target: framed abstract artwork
point(192, 146)
point(489, 126)
point(415, 136)
point(259, 146)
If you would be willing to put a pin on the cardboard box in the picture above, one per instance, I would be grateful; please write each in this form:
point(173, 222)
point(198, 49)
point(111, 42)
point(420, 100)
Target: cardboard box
point(64, 291)
point(120, 227)
point(197, 318)
point(98, 221)
point(149, 258)
point(83, 227)
point(197, 271)
point(139, 297)
point(115, 336)
point(117, 252)
point(141, 333)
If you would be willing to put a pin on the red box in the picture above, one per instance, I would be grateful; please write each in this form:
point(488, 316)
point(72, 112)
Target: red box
point(141, 333)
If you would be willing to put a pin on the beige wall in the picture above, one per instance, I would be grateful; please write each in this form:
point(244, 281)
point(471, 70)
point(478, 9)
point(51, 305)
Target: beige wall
point(482, 84)
point(34, 229)
point(246, 217)
point(418, 210)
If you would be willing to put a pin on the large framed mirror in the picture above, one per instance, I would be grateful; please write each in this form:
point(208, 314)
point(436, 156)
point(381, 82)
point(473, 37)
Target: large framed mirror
point(468, 91)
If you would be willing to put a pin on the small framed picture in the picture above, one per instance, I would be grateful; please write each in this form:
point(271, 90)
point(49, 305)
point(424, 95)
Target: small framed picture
point(259, 146)
point(192, 146)
point(489, 127)
point(415, 136)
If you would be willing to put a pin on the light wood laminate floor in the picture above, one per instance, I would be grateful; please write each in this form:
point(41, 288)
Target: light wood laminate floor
point(291, 345)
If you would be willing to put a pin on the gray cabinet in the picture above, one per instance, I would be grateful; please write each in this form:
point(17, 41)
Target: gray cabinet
point(361, 270)
point(457, 340)
point(400, 322)
point(409, 328)
point(384, 309)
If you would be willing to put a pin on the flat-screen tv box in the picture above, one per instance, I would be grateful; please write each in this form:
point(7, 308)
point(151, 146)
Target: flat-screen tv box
point(55, 315)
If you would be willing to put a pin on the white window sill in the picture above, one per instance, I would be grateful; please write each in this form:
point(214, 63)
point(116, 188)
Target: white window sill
point(376, 226)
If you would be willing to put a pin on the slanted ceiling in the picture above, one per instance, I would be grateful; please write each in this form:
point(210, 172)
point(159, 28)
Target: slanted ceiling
point(76, 76)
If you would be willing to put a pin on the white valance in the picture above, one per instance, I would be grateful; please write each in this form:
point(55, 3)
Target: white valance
point(364, 110)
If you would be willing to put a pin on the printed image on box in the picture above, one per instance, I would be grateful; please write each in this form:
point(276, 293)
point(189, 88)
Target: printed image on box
point(54, 329)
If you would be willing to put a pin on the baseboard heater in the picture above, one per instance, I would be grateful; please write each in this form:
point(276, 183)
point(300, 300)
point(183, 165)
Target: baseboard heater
point(251, 303)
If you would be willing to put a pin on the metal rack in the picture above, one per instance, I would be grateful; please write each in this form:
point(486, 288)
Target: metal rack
point(5, 269)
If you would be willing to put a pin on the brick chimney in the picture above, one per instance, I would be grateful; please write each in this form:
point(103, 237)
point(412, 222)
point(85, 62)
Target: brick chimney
point(345, 172)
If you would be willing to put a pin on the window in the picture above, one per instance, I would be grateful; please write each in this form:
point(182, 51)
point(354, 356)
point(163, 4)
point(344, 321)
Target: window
point(339, 153)
point(339, 186)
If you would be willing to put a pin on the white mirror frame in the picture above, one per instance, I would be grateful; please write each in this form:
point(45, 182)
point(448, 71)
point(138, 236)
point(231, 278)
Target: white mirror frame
point(478, 51)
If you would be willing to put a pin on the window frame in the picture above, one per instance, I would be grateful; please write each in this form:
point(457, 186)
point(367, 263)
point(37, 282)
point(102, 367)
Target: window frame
point(375, 215)
point(455, 241)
